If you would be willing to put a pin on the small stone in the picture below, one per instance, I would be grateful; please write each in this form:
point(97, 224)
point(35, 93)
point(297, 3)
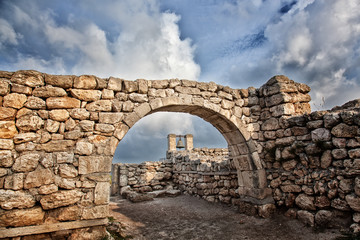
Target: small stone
point(323, 217)
point(84, 148)
point(26, 162)
point(58, 145)
point(99, 106)
point(305, 202)
point(29, 123)
point(87, 125)
point(48, 189)
point(270, 124)
point(110, 118)
point(63, 81)
point(102, 193)
point(6, 159)
point(6, 144)
point(79, 113)
point(339, 153)
point(67, 171)
point(52, 126)
point(14, 181)
point(7, 113)
point(353, 201)
point(326, 159)
point(4, 87)
point(306, 217)
point(321, 135)
point(7, 129)
point(106, 128)
point(29, 78)
point(35, 103)
point(354, 153)
point(38, 178)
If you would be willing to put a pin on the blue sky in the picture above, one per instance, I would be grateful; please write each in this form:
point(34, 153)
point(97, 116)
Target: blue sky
point(238, 43)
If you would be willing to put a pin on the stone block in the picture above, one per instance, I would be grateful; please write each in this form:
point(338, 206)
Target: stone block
point(79, 113)
point(38, 178)
point(306, 217)
point(344, 130)
point(270, 124)
point(35, 103)
point(63, 81)
point(26, 162)
point(115, 84)
point(85, 82)
point(130, 86)
point(60, 115)
point(84, 148)
point(99, 106)
point(49, 91)
point(139, 98)
point(22, 217)
point(102, 193)
point(94, 164)
point(58, 145)
point(15, 199)
point(48, 189)
point(29, 123)
point(14, 100)
point(305, 202)
point(353, 201)
point(110, 118)
point(321, 135)
point(7, 113)
point(86, 95)
point(62, 103)
point(7, 129)
point(14, 181)
point(29, 78)
point(60, 199)
point(101, 211)
point(4, 87)
point(67, 171)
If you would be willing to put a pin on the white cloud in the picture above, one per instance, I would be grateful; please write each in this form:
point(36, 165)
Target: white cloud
point(7, 33)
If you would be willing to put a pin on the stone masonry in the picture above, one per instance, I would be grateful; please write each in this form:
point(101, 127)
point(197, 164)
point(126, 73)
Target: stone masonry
point(58, 135)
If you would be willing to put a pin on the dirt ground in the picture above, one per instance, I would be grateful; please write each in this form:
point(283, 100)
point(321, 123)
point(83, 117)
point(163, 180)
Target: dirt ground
point(187, 217)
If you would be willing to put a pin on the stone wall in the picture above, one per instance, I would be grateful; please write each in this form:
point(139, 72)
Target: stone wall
point(144, 177)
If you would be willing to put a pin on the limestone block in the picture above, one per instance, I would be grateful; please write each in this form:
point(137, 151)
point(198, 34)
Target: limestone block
point(48, 189)
point(4, 87)
point(26, 162)
point(283, 109)
point(353, 201)
point(130, 86)
point(60, 115)
point(49, 91)
point(123, 180)
point(14, 100)
point(107, 94)
point(35, 103)
point(305, 202)
point(143, 86)
point(38, 178)
point(136, 97)
point(29, 78)
point(60, 199)
point(74, 135)
point(115, 84)
point(79, 113)
point(15, 199)
point(290, 188)
point(67, 171)
point(68, 213)
point(85, 82)
point(270, 124)
point(29, 123)
point(94, 164)
point(14, 181)
point(65, 183)
point(26, 137)
point(99, 106)
point(22, 217)
point(143, 109)
point(227, 104)
point(84, 148)
point(70, 124)
point(7, 129)
point(187, 90)
point(62, 103)
point(131, 119)
point(121, 131)
point(86, 95)
point(156, 103)
point(16, 88)
point(87, 125)
point(52, 126)
point(63, 81)
point(102, 193)
point(128, 106)
point(344, 130)
point(306, 217)
point(7, 113)
point(105, 128)
point(160, 84)
point(110, 118)
point(58, 145)
point(3, 172)
point(225, 95)
point(101, 211)
point(64, 157)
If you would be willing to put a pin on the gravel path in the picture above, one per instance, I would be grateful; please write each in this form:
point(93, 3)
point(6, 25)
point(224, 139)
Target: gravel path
point(186, 217)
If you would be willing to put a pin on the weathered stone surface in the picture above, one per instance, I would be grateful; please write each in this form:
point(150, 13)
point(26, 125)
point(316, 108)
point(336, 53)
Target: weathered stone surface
point(266, 210)
point(74, 135)
point(305, 202)
point(64, 81)
point(60, 199)
point(101, 211)
point(354, 153)
point(62, 103)
point(115, 84)
point(320, 135)
point(121, 131)
point(7, 129)
point(110, 118)
point(7, 113)
point(26, 162)
point(29, 78)
point(35, 103)
point(326, 159)
point(6, 159)
point(58, 145)
point(65, 183)
point(15, 199)
point(49, 91)
point(94, 164)
point(353, 201)
point(84, 148)
point(270, 124)
point(102, 193)
point(22, 217)
point(105, 128)
point(306, 217)
point(344, 130)
point(48, 189)
point(100, 105)
point(339, 153)
point(79, 113)
point(107, 94)
point(6, 144)
point(38, 178)
point(4, 87)
point(64, 157)
point(60, 115)
point(291, 188)
point(29, 123)
point(14, 100)
point(86, 95)
point(67, 171)
point(85, 82)
point(14, 181)
point(130, 86)
point(87, 125)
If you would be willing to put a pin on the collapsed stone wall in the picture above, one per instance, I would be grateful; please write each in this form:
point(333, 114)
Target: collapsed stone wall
point(144, 177)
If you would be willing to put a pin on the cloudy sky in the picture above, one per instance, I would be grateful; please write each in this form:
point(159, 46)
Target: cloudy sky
point(238, 43)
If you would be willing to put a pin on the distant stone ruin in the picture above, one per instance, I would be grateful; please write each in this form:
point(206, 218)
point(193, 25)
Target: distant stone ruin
point(58, 135)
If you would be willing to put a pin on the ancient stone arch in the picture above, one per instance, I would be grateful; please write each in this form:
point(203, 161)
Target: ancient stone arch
point(58, 135)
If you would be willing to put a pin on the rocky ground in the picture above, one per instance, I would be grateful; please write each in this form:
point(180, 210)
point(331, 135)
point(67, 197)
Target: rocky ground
point(186, 217)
